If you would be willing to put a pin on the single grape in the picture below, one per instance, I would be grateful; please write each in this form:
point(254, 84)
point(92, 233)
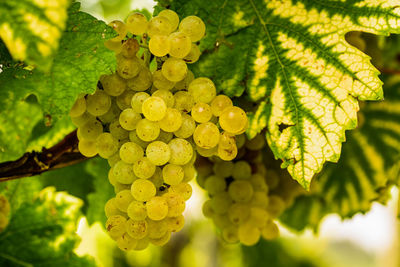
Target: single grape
point(113, 159)
point(154, 108)
point(171, 16)
point(276, 205)
point(136, 23)
point(258, 217)
point(214, 185)
point(124, 100)
point(180, 44)
point(206, 152)
point(174, 69)
point(156, 229)
point(221, 202)
point(175, 224)
point(147, 130)
point(123, 172)
point(98, 104)
point(143, 190)
point(111, 115)
point(160, 45)
point(227, 153)
point(106, 145)
point(259, 199)
point(117, 131)
point(144, 168)
point(111, 209)
point(129, 48)
point(136, 229)
point(184, 84)
point(241, 191)
point(130, 152)
point(137, 210)
point(126, 242)
point(159, 26)
point(91, 130)
point(172, 121)
point(206, 135)
point(223, 169)
point(187, 127)
point(258, 182)
point(142, 81)
point(270, 231)
point(238, 213)
point(183, 101)
point(134, 138)
point(120, 28)
point(172, 174)
point(87, 148)
point(183, 189)
point(193, 55)
point(219, 103)
point(82, 119)
point(114, 46)
point(233, 120)
point(230, 234)
point(166, 95)
point(113, 84)
point(116, 226)
point(128, 68)
point(78, 108)
point(181, 151)
point(165, 136)
point(158, 153)
point(176, 204)
point(157, 208)
point(123, 199)
point(128, 119)
point(161, 82)
point(194, 27)
point(202, 89)
point(241, 170)
point(137, 101)
point(248, 234)
point(189, 171)
point(201, 112)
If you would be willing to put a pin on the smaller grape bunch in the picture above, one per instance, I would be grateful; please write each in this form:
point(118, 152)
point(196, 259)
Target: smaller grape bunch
point(148, 119)
point(243, 202)
point(4, 212)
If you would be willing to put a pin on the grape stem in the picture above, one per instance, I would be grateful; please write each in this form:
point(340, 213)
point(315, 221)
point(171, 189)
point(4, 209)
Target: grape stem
point(63, 154)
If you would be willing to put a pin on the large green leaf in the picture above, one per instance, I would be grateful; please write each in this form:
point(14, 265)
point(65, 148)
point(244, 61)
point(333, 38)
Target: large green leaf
point(291, 57)
point(41, 232)
point(32, 29)
point(370, 159)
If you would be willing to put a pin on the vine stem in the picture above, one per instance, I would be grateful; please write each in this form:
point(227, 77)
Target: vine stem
point(63, 154)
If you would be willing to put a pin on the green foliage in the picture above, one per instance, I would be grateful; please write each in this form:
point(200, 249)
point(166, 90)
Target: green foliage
point(31, 29)
point(292, 59)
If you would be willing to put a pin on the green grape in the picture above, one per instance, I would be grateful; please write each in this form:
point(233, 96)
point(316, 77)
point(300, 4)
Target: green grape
point(158, 153)
point(124, 172)
point(241, 170)
point(120, 28)
point(227, 140)
point(130, 152)
point(258, 217)
point(201, 112)
point(136, 229)
point(206, 135)
point(128, 68)
point(202, 89)
point(82, 119)
point(124, 100)
point(159, 45)
point(275, 206)
point(111, 115)
point(207, 209)
point(240, 191)
point(214, 185)
point(98, 104)
point(206, 152)
point(123, 199)
point(174, 69)
point(270, 231)
point(113, 159)
point(159, 26)
point(181, 151)
point(227, 153)
point(248, 234)
point(126, 242)
point(176, 204)
point(238, 213)
point(129, 48)
point(219, 103)
point(194, 27)
point(183, 101)
point(221, 202)
point(183, 189)
point(111, 177)
point(91, 130)
point(171, 16)
point(233, 120)
point(259, 199)
point(106, 145)
point(154, 108)
point(157, 178)
point(258, 182)
point(113, 46)
point(172, 121)
point(78, 108)
point(257, 143)
point(143, 190)
point(166, 95)
point(134, 138)
point(142, 244)
point(137, 101)
point(175, 224)
point(128, 119)
point(184, 84)
point(147, 130)
point(161, 82)
point(156, 229)
point(240, 140)
point(157, 208)
point(112, 84)
point(180, 44)
point(172, 174)
point(144, 168)
point(142, 81)
point(165, 137)
point(116, 226)
point(187, 127)
point(118, 187)
point(193, 55)
point(137, 210)
point(117, 131)
point(189, 172)
point(223, 169)
point(230, 234)
point(136, 23)
point(87, 147)
point(111, 209)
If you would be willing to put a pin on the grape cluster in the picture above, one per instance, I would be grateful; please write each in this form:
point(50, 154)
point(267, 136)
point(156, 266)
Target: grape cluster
point(242, 204)
point(148, 124)
point(4, 212)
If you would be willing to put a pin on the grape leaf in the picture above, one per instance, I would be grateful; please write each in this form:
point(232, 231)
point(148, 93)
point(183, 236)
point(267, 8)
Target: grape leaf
point(291, 57)
point(32, 29)
point(370, 158)
point(41, 232)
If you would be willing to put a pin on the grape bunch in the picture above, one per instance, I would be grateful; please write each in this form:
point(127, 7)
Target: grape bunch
point(242, 203)
point(4, 212)
point(148, 119)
